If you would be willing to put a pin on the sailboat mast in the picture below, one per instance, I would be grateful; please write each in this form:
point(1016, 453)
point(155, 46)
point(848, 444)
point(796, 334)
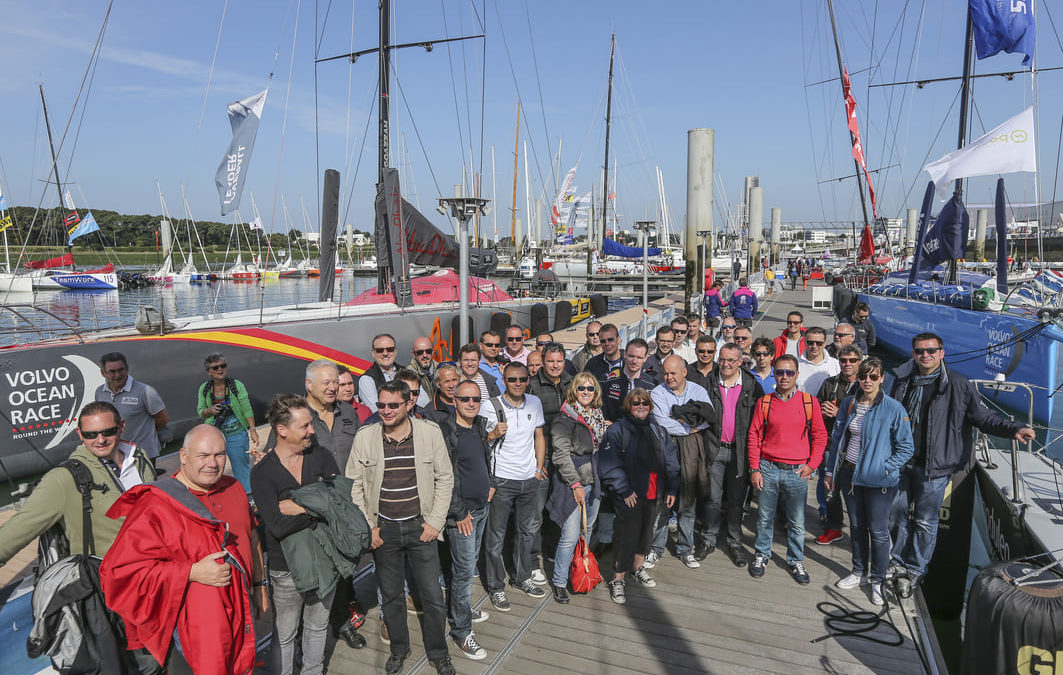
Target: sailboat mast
point(516, 158)
point(51, 145)
point(965, 93)
point(852, 138)
point(608, 122)
point(384, 109)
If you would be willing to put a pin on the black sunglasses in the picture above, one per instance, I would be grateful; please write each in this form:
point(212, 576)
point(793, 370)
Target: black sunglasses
point(706, 351)
point(762, 354)
point(392, 406)
point(543, 344)
point(422, 352)
point(490, 344)
point(383, 350)
point(730, 326)
point(874, 377)
point(515, 339)
point(89, 435)
point(466, 399)
point(785, 372)
point(414, 393)
point(219, 366)
point(584, 387)
point(815, 343)
point(517, 379)
point(592, 335)
point(926, 350)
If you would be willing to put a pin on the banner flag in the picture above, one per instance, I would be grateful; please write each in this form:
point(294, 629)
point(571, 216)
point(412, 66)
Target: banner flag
point(1003, 27)
point(854, 131)
point(72, 219)
point(562, 196)
point(5, 223)
point(1008, 148)
point(256, 223)
point(68, 201)
point(3, 202)
point(86, 226)
point(244, 117)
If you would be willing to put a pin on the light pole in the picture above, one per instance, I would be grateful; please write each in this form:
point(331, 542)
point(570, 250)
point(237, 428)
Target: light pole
point(463, 208)
point(646, 227)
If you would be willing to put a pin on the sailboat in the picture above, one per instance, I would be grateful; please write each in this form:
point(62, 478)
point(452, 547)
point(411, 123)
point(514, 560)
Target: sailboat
point(10, 281)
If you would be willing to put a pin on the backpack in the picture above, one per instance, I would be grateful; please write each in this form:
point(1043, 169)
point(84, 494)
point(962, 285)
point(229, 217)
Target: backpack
point(765, 408)
point(500, 414)
point(71, 622)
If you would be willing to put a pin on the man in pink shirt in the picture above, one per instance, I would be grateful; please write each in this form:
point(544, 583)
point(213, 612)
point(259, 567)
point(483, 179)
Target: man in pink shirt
point(787, 438)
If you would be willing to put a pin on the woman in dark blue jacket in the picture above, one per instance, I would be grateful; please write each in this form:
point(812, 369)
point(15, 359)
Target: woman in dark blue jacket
point(871, 441)
point(639, 464)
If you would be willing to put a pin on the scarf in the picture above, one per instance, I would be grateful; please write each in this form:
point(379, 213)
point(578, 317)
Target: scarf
point(594, 420)
point(647, 443)
point(913, 398)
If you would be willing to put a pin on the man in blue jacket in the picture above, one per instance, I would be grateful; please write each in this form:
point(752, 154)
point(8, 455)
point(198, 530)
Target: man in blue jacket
point(743, 303)
point(714, 304)
point(942, 406)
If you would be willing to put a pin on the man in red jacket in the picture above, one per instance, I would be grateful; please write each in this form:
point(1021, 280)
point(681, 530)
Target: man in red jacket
point(792, 340)
point(786, 442)
point(188, 558)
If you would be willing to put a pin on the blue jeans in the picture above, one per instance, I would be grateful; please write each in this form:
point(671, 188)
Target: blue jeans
point(464, 552)
point(537, 540)
point(784, 489)
point(869, 517)
point(522, 498)
point(684, 542)
point(914, 518)
point(566, 546)
point(660, 527)
point(236, 447)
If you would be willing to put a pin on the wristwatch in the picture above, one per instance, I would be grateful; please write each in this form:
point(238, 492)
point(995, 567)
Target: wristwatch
point(754, 471)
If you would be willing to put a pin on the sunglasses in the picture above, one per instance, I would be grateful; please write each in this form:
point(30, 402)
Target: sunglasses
point(517, 379)
point(762, 354)
point(384, 350)
point(422, 352)
point(730, 326)
point(641, 404)
point(543, 344)
point(584, 387)
point(609, 339)
point(926, 350)
point(706, 351)
point(844, 335)
point(815, 343)
point(592, 335)
point(742, 337)
point(793, 323)
point(873, 377)
point(490, 344)
point(414, 393)
point(219, 366)
point(514, 339)
point(89, 435)
point(380, 405)
point(785, 372)
point(849, 360)
point(466, 399)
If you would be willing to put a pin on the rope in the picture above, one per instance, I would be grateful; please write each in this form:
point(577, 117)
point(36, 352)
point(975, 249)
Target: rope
point(857, 624)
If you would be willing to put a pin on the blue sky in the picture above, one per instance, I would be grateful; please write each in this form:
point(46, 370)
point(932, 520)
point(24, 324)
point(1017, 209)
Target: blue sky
point(740, 68)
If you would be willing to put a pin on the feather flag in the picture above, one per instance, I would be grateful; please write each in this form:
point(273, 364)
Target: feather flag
point(854, 131)
point(244, 117)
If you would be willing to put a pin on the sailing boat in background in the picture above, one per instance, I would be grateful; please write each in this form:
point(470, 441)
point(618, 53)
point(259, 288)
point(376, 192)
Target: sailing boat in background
point(10, 282)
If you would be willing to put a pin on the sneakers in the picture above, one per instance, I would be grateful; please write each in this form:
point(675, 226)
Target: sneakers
point(850, 582)
point(349, 634)
point(876, 594)
point(702, 551)
point(499, 601)
point(356, 617)
point(737, 555)
point(385, 637)
point(530, 589)
point(644, 578)
point(690, 561)
point(479, 615)
point(538, 578)
point(395, 661)
point(443, 666)
point(829, 537)
point(651, 560)
point(800, 575)
point(758, 566)
point(561, 595)
point(616, 592)
point(471, 648)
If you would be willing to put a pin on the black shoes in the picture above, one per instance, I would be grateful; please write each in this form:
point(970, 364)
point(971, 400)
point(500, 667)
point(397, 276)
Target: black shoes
point(702, 551)
point(758, 566)
point(395, 661)
point(800, 575)
point(561, 595)
point(349, 634)
point(737, 555)
point(443, 666)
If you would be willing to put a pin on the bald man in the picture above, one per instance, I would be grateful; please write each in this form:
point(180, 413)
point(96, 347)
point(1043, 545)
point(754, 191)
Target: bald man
point(422, 362)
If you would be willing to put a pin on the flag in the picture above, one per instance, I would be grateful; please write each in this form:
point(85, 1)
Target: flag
point(72, 219)
point(255, 224)
point(5, 223)
point(69, 201)
point(920, 238)
point(86, 226)
point(3, 202)
point(854, 132)
point(244, 117)
point(1006, 149)
point(562, 194)
point(867, 244)
point(1001, 26)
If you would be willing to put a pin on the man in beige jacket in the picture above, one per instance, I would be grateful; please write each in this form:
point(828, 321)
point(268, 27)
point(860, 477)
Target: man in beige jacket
point(402, 483)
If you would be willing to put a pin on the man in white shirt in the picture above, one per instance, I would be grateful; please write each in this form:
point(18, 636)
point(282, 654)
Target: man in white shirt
point(686, 333)
point(815, 365)
point(383, 369)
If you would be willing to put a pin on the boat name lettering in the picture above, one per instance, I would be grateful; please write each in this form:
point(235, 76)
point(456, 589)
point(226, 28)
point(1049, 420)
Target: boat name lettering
point(995, 532)
point(28, 378)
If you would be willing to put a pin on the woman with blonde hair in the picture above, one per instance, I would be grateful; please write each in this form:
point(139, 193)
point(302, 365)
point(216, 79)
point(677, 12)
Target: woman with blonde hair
point(577, 432)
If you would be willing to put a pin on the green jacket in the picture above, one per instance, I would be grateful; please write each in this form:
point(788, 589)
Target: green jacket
point(318, 557)
point(56, 498)
point(240, 403)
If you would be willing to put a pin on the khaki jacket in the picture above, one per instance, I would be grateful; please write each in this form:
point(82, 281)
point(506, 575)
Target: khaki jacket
point(435, 477)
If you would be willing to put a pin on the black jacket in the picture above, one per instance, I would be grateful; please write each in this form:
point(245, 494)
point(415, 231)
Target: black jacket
point(747, 402)
point(449, 426)
point(622, 472)
point(598, 366)
point(834, 389)
point(694, 375)
point(615, 389)
point(865, 334)
point(551, 395)
point(374, 373)
point(955, 406)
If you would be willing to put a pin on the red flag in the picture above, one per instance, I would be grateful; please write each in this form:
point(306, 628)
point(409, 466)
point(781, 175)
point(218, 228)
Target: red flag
point(867, 245)
point(72, 219)
point(854, 132)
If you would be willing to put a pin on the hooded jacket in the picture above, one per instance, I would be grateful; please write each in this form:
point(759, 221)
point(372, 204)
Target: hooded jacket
point(145, 579)
point(885, 442)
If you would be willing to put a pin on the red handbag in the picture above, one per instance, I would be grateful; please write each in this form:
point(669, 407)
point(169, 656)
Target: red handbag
point(583, 573)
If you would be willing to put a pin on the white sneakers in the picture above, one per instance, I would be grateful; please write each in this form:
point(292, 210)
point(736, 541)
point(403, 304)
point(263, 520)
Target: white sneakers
point(850, 582)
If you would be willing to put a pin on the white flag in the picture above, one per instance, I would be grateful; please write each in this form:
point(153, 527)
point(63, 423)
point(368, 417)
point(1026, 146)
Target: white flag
point(255, 224)
point(68, 200)
point(1006, 149)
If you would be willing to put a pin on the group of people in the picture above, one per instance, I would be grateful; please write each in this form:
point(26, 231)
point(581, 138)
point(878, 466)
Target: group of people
point(437, 466)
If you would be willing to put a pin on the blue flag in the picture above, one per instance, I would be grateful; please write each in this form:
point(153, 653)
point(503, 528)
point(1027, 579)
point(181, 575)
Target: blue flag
point(1003, 26)
point(3, 203)
point(86, 226)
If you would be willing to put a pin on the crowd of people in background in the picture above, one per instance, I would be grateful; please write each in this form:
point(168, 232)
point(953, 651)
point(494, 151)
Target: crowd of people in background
point(504, 456)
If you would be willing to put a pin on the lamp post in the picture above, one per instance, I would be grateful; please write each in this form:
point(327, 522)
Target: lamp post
point(463, 208)
point(646, 227)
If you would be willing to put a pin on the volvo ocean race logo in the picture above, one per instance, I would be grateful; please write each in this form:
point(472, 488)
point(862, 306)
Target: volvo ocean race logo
point(41, 404)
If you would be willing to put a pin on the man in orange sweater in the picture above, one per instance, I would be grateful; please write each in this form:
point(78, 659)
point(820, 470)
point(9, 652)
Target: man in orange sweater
point(786, 443)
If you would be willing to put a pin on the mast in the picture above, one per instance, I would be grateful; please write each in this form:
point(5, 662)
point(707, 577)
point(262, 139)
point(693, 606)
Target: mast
point(55, 160)
point(384, 109)
point(961, 140)
point(852, 139)
point(608, 121)
point(516, 168)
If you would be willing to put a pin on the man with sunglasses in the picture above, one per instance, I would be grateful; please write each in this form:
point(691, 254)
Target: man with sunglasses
point(942, 406)
point(743, 337)
point(633, 376)
point(139, 404)
point(591, 348)
point(833, 391)
point(705, 364)
point(491, 361)
point(423, 363)
point(844, 335)
point(515, 349)
point(383, 370)
point(682, 343)
point(792, 340)
point(405, 459)
point(816, 366)
point(517, 473)
point(611, 359)
point(763, 352)
point(727, 331)
point(786, 443)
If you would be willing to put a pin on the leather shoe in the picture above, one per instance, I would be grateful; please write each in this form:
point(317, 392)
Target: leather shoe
point(702, 551)
point(444, 666)
point(904, 586)
point(349, 634)
point(738, 556)
point(561, 595)
point(395, 661)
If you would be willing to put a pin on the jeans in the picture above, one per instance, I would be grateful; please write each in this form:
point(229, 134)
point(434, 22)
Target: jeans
point(464, 552)
point(570, 531)
point(633, 530)
point(785, 489)
point(290, 606)
point(684, 542)
point(236, 447)
point(402, 543)
point(660, 528)
point(723, 481)
point(521, 497)
point(914, 518)
point(869, 517)
point(537, 527)
point(830, 503)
